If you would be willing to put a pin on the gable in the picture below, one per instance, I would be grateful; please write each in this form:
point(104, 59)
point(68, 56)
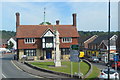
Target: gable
point(12, 40)
point(114, 37)
point(102, 45)
point(49, 33)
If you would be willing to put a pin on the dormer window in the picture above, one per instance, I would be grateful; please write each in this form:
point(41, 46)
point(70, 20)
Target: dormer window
point(66, 39)
point(29, 40)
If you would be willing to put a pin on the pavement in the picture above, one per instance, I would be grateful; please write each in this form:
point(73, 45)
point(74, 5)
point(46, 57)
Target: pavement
point(27, 69)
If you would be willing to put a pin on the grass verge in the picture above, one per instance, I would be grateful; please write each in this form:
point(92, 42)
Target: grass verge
point(95, 73)
point(84, 67)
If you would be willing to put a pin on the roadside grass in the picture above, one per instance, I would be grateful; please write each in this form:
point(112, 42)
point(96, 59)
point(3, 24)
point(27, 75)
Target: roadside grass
point(95, 73)
point(84, 67)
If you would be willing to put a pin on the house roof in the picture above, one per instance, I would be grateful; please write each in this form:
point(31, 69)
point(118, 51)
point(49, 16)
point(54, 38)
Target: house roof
point(99, 39)
point(112, 42)
point(3, 41)
point(82, 39)
point(36, 31)
point(14, 37)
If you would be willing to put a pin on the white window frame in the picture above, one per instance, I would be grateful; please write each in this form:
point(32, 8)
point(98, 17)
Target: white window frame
point(29, 40)
point(66, 40)
point(31, 52)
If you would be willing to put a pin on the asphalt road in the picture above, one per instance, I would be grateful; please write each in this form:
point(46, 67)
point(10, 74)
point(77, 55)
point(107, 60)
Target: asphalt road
point(99, 65)
point(102, 66)
point(12, 72)
point(9, 70)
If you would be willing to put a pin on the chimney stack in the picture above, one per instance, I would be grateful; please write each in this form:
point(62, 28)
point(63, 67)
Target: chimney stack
point(17, 19)
point(57, 22)
point(74, 19)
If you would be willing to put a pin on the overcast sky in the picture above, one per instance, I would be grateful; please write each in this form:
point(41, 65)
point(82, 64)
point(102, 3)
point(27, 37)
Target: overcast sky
point(91, 16)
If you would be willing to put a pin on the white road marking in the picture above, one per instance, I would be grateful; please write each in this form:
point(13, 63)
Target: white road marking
point(4, 75)
point(22, 70)
point(16, 66)
point(36, 76)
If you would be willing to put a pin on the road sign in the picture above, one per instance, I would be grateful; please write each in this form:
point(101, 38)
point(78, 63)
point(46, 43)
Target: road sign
point(75, 47)
point(81, 54)
point(115, 58)
point(74, 56)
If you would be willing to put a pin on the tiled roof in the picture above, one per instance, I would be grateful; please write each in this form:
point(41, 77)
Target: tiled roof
point(14, 38)
point(99, 39)
point(3, 41)
point(82, 39)
point(36, 31)
point(112, 42)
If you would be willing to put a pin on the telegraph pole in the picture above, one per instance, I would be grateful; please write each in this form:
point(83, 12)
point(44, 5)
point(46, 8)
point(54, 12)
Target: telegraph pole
point(109, 40)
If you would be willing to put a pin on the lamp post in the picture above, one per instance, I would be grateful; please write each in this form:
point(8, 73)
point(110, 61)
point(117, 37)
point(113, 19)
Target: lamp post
point(108, 39)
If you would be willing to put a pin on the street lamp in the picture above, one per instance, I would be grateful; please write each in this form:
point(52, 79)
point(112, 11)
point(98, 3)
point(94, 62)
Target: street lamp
point(108, 40)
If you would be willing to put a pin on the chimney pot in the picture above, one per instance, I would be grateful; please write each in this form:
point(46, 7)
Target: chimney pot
point(57, 22)
point(74, 19)
point(17, 14)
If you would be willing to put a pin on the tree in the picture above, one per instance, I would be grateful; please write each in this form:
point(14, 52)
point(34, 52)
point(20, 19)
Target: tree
point(48, 23)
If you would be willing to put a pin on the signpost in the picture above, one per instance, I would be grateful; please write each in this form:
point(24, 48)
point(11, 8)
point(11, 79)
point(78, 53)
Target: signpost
point(75, 56)
point(81, 54)
point(115, 59)
point(74, 47)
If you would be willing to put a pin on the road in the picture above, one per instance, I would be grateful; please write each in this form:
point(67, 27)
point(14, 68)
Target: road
point(102, 66)
point(99, 65)
point(9, 70)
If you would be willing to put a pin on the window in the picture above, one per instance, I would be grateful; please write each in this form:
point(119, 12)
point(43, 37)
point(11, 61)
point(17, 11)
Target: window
point(49, 40)
point(67, 40)
point(29, 40)
point(65, 51)
point(30, 52)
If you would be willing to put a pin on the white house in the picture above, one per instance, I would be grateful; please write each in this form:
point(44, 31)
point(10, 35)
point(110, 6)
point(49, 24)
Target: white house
point(13, 40)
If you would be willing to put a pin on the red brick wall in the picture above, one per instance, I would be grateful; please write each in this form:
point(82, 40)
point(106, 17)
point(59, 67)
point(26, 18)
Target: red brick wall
point(67, 45)
point(22, 45)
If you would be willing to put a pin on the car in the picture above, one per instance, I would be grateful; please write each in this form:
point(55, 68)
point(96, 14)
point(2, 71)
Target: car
point(89, 59)
point(113, 74)
point(110, 63)
point(95, 59)
point(8, 51)
point(118, 64)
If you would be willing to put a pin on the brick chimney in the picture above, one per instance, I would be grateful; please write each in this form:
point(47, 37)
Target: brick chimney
point(74, 19)
point(17, 19)
point(57, 22)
